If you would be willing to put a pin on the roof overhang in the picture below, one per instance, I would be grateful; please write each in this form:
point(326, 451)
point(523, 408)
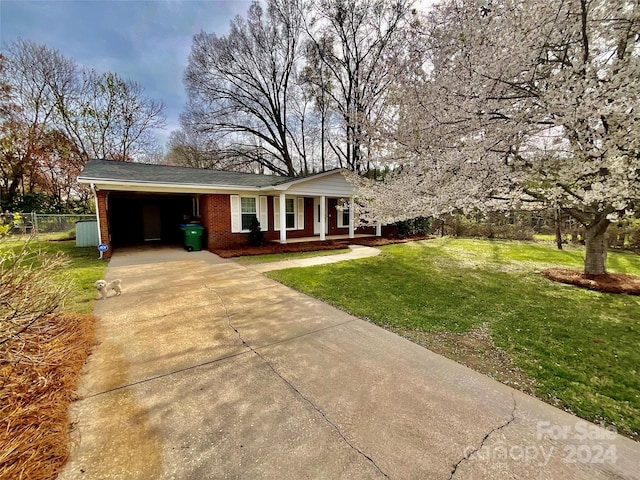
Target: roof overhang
point(297, 181)
point(197, 188)
point(119, 185)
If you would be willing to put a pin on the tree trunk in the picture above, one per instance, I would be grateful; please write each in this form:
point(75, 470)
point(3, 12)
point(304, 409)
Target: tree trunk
point(558, 228)
point(596, 245)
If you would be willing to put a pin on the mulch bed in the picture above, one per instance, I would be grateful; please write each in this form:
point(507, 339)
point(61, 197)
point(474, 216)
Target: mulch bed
point(609, 282)
point(273, 247)
point(39, 372)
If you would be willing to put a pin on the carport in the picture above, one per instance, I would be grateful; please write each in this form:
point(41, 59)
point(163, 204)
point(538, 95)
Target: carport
point(138, 218)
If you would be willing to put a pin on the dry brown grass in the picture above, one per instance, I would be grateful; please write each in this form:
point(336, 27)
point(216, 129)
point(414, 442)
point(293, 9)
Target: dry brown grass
point(39, 371)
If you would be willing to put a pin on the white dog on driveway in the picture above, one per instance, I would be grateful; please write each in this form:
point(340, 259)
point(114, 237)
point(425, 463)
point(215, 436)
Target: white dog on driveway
point(105, 287)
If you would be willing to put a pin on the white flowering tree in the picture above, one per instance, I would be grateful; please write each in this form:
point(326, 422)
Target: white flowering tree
point(522, 102)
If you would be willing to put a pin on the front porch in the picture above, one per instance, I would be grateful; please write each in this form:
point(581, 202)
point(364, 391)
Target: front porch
point(304, 217)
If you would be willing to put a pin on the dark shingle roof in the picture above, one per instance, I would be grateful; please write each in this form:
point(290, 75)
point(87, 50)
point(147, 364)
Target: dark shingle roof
point(105, 170)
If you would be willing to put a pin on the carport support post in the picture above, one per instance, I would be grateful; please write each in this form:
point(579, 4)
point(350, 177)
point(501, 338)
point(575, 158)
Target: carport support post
point(283, 219)
point(323, 213)
point(95, 197)
point(351, 219)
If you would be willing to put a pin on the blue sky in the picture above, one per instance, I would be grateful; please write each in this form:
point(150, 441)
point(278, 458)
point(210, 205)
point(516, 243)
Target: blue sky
point(143, 40)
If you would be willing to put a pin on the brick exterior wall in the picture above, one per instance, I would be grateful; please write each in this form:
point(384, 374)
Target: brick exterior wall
point(103, 216)
point(215, 216)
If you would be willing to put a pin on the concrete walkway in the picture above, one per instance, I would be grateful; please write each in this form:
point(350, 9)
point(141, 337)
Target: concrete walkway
point(208, 370)
point(357, 251)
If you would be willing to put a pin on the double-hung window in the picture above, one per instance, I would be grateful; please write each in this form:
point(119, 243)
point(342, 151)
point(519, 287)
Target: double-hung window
point(343, 216)
point(248, 211)
point(293, 213)
point(290, 207)
point(245, 209)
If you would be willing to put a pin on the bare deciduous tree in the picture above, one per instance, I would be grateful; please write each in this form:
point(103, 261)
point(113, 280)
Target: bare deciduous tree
point(112, 118)
point(104, 115)
point(240, 84)
point(191, 148)
point(66, 115)
point(361, 45)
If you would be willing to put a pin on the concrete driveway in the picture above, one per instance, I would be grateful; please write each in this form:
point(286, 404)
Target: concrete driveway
point(208, 370)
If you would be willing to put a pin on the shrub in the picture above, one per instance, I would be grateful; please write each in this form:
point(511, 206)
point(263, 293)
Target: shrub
point(414, 226)
point(256, 237)
point(403, 228)
point(29, 291)
point(497, 228)
point(625, 234)
point(422, 225)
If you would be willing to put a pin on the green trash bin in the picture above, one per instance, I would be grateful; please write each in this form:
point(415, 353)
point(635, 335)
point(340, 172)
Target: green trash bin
point(192, 237)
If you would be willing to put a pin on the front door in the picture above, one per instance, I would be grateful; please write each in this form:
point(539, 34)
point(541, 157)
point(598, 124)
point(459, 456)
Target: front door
point(316, 217)
point(332, 217)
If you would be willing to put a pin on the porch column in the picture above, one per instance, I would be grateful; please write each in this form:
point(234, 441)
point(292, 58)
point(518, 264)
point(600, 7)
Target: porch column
point(351, 226)
point(378, 229)
point(323, 213)
point(283, 219)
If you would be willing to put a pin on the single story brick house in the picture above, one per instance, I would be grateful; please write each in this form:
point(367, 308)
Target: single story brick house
point(138, 203)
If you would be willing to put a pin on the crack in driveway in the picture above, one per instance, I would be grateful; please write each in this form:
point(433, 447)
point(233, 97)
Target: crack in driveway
point(468, 455)
point(298, 392)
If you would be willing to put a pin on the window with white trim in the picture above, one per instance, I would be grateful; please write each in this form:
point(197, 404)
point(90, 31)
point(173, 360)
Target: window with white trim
point(244, 210)
point(294, 213)
point(248, 211)
point(343, 216)
point(290, 207)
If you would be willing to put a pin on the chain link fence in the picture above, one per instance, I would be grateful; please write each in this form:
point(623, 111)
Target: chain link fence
point(17, 223)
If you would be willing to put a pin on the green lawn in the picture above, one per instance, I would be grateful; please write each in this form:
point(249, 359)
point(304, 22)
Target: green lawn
point(81, 271)
point(277, 257)
point(580, 346)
